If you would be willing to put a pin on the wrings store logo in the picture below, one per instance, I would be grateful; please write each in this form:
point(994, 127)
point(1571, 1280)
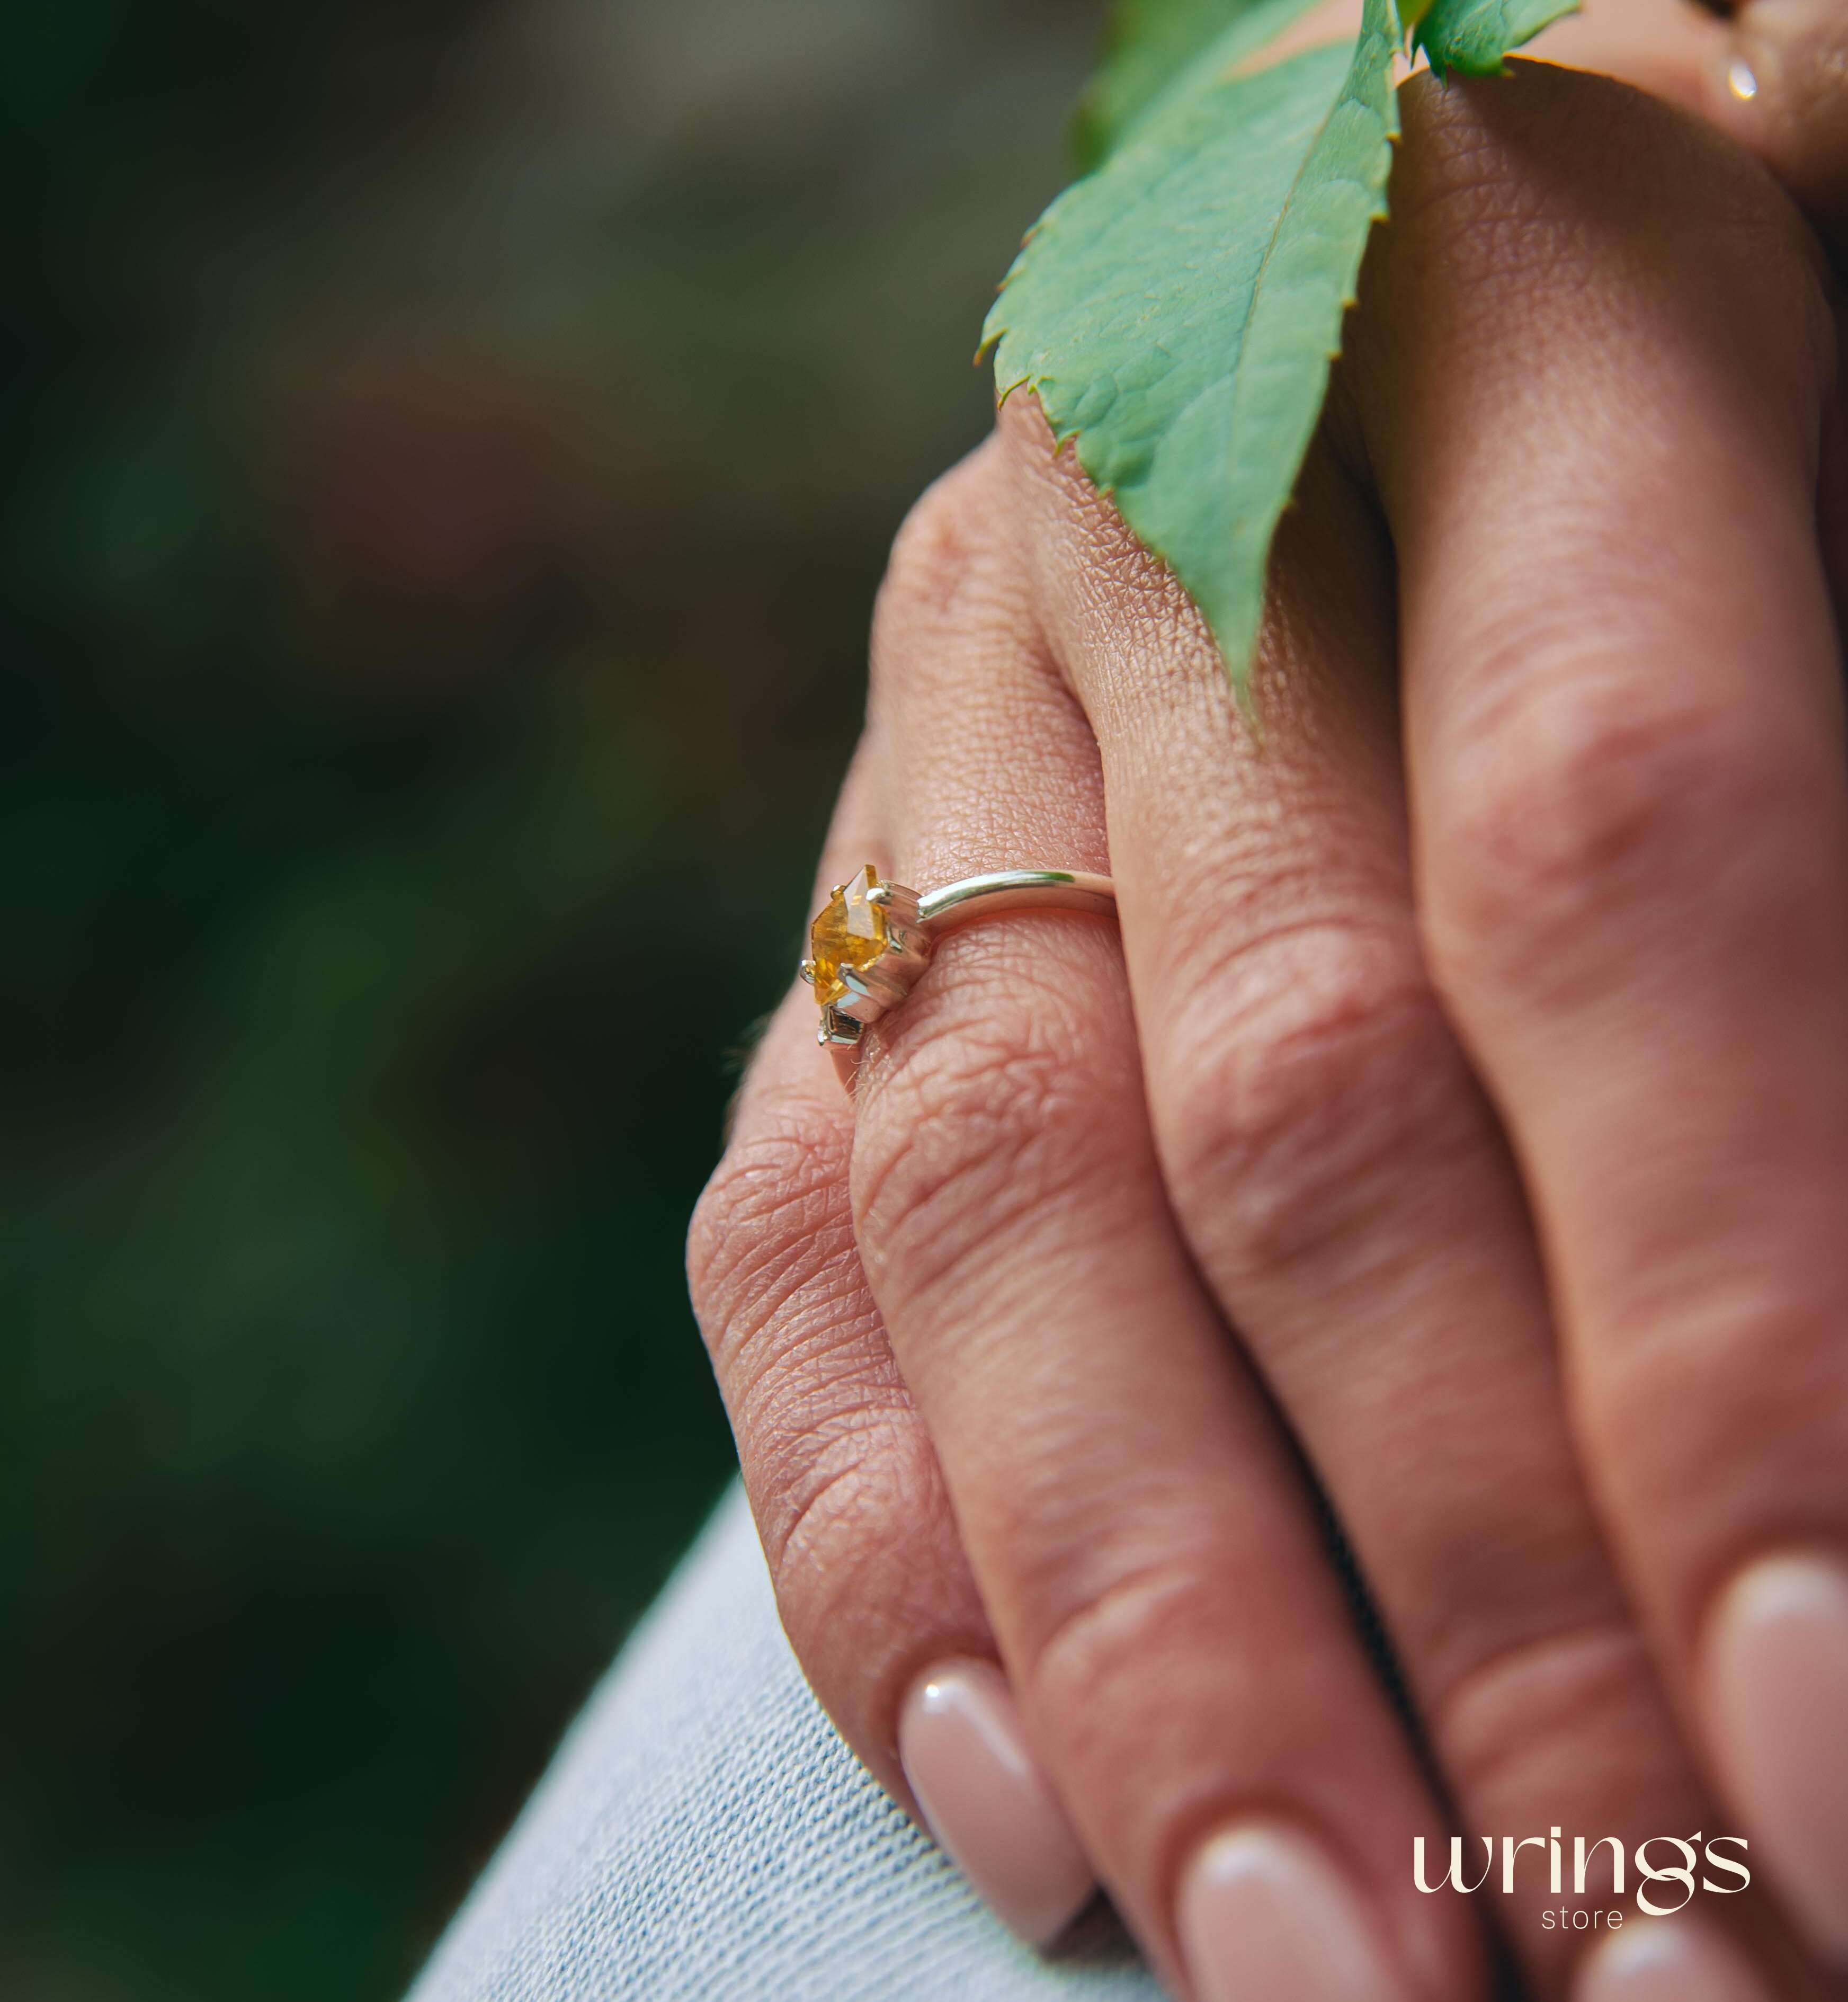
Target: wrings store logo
point(1696, 1859)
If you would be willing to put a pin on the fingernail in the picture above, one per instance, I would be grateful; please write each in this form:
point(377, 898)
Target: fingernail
point(1751, 69)
point(1667, 1960)
point(987, 1803)
point(1739, 74)
point(1264, 1916)
point(1776, 1684)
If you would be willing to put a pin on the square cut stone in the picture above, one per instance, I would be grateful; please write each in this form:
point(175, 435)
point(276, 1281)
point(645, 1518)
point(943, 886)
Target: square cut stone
point(850, 934)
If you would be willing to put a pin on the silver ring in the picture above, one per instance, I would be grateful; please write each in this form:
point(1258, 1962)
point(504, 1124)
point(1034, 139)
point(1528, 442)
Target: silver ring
point(873, 939)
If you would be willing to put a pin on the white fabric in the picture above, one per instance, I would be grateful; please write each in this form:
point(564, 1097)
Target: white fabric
point(704, 1833)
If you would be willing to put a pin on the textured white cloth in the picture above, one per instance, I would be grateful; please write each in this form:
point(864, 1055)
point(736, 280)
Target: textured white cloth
point(704, 1833)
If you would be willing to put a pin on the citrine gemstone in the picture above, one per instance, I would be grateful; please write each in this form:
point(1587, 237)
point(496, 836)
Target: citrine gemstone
point(850, 933)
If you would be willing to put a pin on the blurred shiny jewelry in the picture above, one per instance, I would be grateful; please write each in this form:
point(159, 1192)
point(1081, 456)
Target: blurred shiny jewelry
point(869, 946)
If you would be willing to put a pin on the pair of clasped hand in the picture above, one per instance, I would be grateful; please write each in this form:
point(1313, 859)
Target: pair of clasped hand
point(1453, 1135)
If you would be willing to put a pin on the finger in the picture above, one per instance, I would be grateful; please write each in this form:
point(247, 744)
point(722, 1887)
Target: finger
point(1624, 715)
point(1342, 1182)
point(869, 1572)
point(1773, 74)
point(1779, 85)
point(1184, 1658)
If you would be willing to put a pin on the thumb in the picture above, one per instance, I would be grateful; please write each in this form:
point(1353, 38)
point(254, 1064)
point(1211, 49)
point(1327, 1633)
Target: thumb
point(1780, 87)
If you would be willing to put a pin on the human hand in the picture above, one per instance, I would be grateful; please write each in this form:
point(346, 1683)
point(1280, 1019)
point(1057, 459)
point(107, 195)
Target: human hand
point(1581, 906)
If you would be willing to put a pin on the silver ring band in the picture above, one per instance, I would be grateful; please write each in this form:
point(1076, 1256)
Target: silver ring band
point(1015, 890)
point(874, 939)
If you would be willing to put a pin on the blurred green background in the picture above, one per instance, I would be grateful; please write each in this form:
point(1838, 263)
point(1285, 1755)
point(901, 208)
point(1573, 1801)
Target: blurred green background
point(449, 451)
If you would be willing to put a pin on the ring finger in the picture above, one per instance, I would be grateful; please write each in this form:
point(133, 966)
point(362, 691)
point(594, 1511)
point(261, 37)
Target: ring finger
point(1146, 1550)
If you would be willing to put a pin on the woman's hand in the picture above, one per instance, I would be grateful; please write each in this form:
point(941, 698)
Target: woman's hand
point(1509, 965)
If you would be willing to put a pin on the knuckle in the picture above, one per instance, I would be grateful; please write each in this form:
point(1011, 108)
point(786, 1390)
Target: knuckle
point(1470, 179)
point(773, 1223)
point(938, 556)
point(1724, 239)
point(1469, 205)
point(871, 1584)
point(1582, 800)
point(1040, 467)
point(838, 1465)
point(1087, 535)
point(1302, 1075)
point(832, 1512)
point(834, 1531)
point(1145, 1656)
point(1094, 1659)
point(1511, 1722)
point(1749, 1361)
point(1007, 1110)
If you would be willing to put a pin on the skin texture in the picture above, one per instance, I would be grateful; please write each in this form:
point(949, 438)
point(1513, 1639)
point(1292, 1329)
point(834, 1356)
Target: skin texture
point(1458, 1122)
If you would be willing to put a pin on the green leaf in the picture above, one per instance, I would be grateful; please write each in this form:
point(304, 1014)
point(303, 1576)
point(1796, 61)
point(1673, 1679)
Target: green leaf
point(1176, 311)
point(1153, 42)
point(1475, 36)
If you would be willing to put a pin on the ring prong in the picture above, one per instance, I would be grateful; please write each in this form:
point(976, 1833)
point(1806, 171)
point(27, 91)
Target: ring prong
point(838, 1030)
point(808, 971)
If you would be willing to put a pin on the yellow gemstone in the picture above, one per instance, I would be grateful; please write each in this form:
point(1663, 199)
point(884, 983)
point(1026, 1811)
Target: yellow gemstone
point(850, 933)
